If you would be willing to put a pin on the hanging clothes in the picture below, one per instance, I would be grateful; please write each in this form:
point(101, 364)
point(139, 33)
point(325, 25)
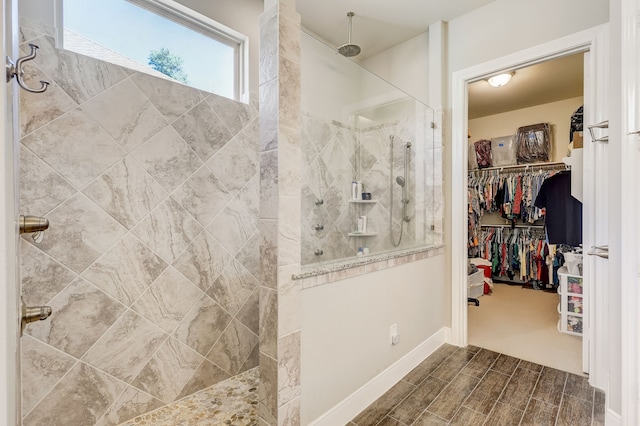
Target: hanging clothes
point(512, 194)
point(563, 212)
point(519, 254)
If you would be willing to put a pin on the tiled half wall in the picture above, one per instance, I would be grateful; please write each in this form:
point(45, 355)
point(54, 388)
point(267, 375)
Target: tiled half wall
point(151, 260)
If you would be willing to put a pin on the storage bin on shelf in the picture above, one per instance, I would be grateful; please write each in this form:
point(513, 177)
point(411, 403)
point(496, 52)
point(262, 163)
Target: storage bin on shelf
point(571, 291)
point(475, 284)
point(573, 262)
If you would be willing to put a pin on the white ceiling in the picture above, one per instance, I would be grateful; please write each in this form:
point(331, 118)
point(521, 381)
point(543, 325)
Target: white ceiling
point(379, 25)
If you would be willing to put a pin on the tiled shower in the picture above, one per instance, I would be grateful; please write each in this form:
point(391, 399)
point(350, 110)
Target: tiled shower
point(351, 119)
point(151, 261)
point(334, 154)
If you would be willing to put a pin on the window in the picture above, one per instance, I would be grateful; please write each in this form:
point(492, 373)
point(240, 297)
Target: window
point(159, 37)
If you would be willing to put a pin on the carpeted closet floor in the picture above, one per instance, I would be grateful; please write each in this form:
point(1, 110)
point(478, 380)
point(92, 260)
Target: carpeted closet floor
point(523, 323)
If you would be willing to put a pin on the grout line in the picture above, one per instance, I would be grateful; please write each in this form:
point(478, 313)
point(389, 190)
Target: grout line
point(560, 404)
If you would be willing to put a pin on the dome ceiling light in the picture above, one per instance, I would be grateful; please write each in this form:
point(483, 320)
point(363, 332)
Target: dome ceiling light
point(500, 79)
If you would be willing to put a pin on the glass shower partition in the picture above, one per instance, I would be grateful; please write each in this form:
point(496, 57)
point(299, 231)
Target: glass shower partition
point(356, 127)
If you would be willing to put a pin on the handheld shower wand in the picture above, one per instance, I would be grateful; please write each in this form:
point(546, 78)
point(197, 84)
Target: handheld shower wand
point(403, 181)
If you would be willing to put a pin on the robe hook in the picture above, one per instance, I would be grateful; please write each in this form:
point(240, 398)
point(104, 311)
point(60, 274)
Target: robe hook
point(15, 70)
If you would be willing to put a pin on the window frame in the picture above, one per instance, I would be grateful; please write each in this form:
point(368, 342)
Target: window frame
point(197, 22)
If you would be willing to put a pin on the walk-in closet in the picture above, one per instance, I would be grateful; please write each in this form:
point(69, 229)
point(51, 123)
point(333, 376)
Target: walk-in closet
point(525, 285)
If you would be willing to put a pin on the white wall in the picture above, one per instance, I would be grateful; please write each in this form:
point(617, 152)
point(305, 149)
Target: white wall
point(406, 66)
point(507, 26)
point(345, 328)
point(558, 114)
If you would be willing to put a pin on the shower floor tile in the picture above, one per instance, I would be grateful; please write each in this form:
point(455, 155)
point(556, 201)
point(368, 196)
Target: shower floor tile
point(232, 402)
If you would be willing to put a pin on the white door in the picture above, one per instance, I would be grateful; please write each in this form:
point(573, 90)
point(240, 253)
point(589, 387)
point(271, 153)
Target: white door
point(9, 322)
point(628, 156)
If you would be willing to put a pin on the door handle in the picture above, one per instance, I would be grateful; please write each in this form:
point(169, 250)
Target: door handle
point(602, 255)
point(600, 251)
point(602, 125)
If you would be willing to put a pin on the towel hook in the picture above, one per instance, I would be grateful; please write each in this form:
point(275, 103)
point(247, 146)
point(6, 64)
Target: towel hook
point(17, 71)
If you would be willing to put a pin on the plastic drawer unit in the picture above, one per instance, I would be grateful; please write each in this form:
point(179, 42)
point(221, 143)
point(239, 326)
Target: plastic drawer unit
point(571, 308)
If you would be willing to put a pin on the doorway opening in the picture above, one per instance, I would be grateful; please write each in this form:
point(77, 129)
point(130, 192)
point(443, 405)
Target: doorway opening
point(524, 315)
point(592, 44)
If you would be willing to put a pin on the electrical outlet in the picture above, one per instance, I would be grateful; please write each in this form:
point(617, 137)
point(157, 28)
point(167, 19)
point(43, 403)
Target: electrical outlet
point(393, 332)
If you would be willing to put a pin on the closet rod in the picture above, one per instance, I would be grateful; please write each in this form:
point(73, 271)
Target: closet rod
point(516, 226)
point(535, 166)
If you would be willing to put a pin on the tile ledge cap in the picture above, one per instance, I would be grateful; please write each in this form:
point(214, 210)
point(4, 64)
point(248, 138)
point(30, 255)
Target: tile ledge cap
point(356, 262)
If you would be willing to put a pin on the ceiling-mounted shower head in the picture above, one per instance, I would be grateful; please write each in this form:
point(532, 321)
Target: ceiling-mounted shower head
point(349, 49)
point(400, 181)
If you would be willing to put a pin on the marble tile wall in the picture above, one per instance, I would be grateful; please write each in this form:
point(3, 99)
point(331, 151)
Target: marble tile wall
point(151, 263)
point(335, 154)
point(279, 223)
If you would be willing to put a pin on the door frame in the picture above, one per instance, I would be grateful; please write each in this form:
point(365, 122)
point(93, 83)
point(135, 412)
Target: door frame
point(9, 326)
point(594, 41)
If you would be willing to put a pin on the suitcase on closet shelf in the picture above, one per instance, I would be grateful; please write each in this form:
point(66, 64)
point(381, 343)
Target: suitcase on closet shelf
point(533, 143)
point(483, 153)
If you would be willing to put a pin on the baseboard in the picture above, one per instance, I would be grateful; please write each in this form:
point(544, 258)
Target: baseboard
point(611, 418)
point(352, 405)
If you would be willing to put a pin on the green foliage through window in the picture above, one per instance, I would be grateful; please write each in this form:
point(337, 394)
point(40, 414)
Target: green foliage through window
point(168, 64)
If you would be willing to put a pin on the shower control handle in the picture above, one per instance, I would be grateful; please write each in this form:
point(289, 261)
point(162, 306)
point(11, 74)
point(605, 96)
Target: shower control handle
point(30, 314)
point(318, 227)
point(318, 252)
point(31, 224)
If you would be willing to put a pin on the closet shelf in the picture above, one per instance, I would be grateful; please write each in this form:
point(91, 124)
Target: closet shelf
point(518, 226)
point(532, 166)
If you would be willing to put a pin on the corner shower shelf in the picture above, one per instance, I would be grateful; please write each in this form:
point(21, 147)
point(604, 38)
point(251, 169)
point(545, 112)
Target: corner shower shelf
point(362, 234)
point(363, 201)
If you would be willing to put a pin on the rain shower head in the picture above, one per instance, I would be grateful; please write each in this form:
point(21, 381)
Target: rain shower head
point(348, 50)
point(400, 181)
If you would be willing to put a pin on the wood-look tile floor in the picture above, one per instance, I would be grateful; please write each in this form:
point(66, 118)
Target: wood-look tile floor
point(474, 386)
